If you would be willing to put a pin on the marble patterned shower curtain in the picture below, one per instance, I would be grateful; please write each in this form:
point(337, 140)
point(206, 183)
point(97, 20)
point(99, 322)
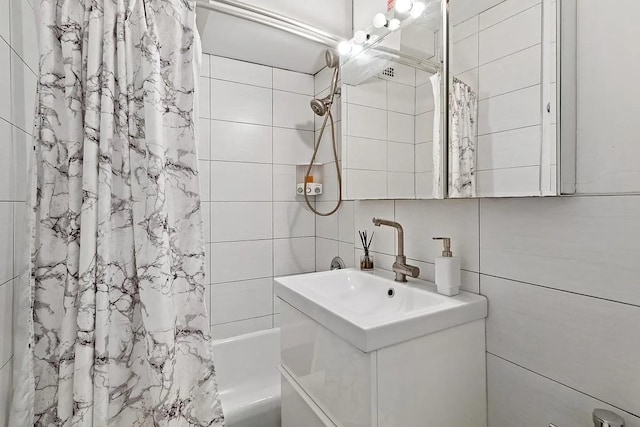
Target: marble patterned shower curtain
point(463, 104)
point(116, 324)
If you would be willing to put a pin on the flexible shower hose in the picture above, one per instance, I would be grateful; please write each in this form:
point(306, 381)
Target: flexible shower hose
point(327, 117)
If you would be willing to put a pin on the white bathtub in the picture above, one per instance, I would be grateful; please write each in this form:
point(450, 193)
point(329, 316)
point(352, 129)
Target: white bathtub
point(248, 378)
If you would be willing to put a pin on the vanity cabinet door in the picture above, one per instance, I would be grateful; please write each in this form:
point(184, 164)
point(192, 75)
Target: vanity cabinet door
point(297, 409)
point(337, 376)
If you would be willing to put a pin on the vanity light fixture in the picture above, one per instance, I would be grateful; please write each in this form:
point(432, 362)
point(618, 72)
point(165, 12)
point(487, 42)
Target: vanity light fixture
point(394, 24)
point(360, 37)
point(404, 6)
point(344, 47)
point(418, 9)
point(380, 20)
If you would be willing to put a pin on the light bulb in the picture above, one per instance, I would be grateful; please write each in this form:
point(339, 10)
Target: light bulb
point(344, 48)
point(404, 6)
point(380, 20)
point(360, 36)
point(418, 9)
point(394, 24)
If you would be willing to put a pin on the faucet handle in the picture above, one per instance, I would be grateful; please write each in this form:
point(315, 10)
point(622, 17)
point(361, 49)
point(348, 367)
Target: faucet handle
point(413, 271)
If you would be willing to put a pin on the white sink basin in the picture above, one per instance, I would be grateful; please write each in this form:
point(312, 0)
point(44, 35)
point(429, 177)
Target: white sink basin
point(357, 306)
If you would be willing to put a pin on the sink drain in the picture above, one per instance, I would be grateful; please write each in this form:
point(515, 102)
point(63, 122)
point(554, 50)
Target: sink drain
point(391, 292)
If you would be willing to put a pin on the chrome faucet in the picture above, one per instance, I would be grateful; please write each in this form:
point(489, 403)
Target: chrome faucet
point(400, 267)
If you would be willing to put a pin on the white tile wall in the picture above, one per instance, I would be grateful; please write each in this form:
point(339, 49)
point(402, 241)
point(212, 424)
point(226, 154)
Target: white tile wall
point(387, 117)
point(18, 63)
point(243, 103)
point(259, 126)
point(560, 275)
point(498, 52)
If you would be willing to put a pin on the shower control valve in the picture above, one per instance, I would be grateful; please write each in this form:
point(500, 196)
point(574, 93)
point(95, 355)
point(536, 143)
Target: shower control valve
point(313, 189)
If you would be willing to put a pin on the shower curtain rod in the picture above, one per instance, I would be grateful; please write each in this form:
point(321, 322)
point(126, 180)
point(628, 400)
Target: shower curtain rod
point(309, 32)
point(271, 19)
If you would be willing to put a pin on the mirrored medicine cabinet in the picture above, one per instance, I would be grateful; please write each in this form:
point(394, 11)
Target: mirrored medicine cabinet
point(492, 131)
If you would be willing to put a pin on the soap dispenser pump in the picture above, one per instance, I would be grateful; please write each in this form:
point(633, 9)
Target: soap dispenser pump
point(447, 270)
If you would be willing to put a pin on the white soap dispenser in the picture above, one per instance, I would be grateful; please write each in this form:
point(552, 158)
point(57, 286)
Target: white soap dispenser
point(447, 270)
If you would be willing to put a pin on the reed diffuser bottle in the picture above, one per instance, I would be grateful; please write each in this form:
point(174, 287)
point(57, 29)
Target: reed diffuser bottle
point(366, 260)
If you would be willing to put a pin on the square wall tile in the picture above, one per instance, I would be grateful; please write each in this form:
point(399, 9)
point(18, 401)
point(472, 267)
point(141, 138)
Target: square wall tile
point(241, 300)
point(237, 102)
point(365, 122)
point(234, 261)
point(401, 127)
point(292, 110)
point(241, 182)
point(240, 72)
point(511, 35)
point(236, 221)
point(401, 98)
point(366, 184)
point(292, 146)
point(400, 185)
point(366, 153)
point(401, 157)
point(292, 219)
point(291, 81)
point(371, 93)
point(294, 256)
point(241, 142)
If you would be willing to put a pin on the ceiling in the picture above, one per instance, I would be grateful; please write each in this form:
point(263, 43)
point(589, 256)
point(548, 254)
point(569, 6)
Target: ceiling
point(236, 38)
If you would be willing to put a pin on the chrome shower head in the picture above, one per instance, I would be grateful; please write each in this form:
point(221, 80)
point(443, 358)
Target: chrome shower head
point(332, 58)
point(321, 106)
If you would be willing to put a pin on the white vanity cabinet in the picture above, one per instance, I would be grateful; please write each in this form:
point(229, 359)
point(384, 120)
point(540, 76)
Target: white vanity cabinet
point(437, 379)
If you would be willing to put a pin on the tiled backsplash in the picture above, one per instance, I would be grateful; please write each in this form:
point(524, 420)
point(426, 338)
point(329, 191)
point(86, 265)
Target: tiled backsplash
point(18, 64)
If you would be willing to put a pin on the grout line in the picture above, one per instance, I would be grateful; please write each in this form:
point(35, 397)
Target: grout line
point(508, 168)
point(515, 52)
point(521, 282)
point(273, 89)
point(509, 130)
point(6, 363)
point(511, 92)
point(505, 19)
point(245, 319)
point(560, 383)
